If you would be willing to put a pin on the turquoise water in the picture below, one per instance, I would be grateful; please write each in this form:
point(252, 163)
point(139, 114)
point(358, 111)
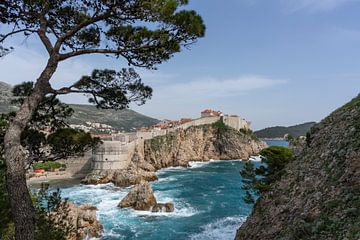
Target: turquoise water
point(207, 197)
point(281, 143)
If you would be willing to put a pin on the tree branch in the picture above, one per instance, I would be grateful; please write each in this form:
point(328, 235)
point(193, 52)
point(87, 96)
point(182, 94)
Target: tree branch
point(89, 51)
point(2, 39)
point(42, 33)
point(77, 28)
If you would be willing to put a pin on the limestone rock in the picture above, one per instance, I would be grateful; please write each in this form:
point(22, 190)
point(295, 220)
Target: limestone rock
point(178, 148)
point(141, 197)
point(163, 207)
point(81, 220)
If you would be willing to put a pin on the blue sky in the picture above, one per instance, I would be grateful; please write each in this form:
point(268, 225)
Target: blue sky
point(274, 62)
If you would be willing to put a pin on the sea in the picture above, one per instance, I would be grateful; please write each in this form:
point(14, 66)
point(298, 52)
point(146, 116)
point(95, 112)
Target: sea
point(207, 196)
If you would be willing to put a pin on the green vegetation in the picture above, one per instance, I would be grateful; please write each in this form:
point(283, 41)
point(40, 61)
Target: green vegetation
point(48, 165)
point(124, 120)
point(279, 131)
point(257, 180)
point(220, 127)
point(45, 202)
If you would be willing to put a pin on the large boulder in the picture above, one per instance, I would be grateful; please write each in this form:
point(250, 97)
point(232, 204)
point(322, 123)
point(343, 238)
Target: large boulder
point(141, 197)
point(81, 220)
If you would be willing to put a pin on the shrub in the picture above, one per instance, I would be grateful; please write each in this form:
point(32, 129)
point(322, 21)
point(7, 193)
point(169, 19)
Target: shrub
point(48, 165)
point(257, 180)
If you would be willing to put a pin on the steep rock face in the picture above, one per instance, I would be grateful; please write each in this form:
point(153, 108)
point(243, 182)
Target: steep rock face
point(82, 220)
point(200, 143)
point(319, 195)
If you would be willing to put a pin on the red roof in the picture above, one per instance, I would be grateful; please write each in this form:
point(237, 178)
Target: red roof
point(217, 113)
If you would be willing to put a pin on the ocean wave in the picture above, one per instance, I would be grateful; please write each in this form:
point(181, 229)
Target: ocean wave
point(255, 158)
point(224, 228)
point(198, 164)
point(177, 213)
point(166, 179)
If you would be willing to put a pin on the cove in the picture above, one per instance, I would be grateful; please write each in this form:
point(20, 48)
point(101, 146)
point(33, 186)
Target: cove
point(207, 198)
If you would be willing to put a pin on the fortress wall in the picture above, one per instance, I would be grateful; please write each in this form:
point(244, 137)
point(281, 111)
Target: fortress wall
point(199, 121)
point(113, 155)
point(236, 122)
point(118, 154)
point(78, 165)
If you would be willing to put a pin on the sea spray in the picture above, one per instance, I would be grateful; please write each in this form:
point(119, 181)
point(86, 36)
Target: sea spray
point(206, 196)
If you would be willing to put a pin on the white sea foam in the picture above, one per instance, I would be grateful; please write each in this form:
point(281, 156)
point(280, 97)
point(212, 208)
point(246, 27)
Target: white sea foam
point(198, 164)
point(177, 213)
point(166, 179)
point(255, 158)
point(224, 228)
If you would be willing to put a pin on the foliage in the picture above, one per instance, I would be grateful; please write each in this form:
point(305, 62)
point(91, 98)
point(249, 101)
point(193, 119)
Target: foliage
point(5, 211)
point(143, 32)
point(60, 142)
point(257, 180)
point(114, 90)
point(275, 158)
point(65, 142)
point(220, 127)
point(47, 165)
point(45, 203)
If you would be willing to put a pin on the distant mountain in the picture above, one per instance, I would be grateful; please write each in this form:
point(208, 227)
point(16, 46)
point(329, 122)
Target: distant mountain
point(126, 120)
point(279, 131)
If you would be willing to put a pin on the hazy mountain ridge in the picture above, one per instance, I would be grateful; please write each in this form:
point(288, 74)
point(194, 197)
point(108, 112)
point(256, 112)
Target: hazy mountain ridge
point(280, 131)
point(126, 120)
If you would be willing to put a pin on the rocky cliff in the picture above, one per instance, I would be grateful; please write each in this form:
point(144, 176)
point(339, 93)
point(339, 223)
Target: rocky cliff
point(199, 143)
point(319, 195)
point(81, 220)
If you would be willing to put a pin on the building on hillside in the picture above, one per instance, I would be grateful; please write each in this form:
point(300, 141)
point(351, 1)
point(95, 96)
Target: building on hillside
point(236, 122)
point(211, 113)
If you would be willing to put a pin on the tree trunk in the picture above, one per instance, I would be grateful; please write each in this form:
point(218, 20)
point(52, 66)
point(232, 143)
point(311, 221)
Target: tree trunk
point(21, 205)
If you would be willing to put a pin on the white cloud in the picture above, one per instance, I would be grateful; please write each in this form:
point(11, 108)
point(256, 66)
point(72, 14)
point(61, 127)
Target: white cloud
point(211, 87)
point(315, 5)
point(172, 100)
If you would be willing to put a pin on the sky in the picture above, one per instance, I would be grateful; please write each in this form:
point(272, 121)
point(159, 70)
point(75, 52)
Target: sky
point(273, 62)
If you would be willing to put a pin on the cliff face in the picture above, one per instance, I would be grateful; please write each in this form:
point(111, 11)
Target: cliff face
point(319, 195)
point(200, 143)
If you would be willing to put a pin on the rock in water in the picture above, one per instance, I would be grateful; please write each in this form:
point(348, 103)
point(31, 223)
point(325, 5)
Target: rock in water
point(163, 207)
point(81, 220)
point(141, 197)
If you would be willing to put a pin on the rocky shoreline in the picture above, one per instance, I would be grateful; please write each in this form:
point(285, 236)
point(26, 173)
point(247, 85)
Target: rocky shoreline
point(200, 143)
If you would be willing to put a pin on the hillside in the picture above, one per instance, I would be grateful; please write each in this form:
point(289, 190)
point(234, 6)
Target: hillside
point(126, 120)
point(318, 197)
point(279, 131)
point(5, 97)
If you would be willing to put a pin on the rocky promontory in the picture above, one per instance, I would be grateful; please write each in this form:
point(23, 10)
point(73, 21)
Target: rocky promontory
point(178, 148)
point(318, 197)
